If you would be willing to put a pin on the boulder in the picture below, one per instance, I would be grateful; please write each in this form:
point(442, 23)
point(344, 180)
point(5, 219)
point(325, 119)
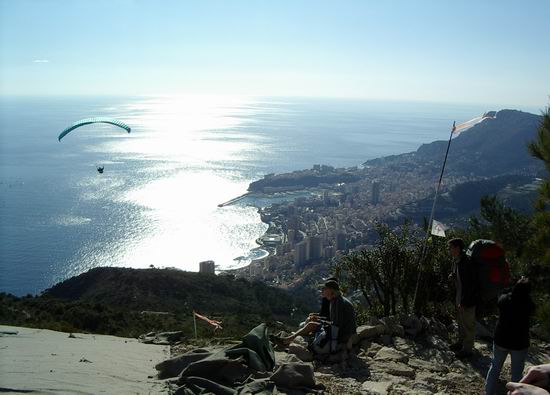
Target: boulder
point(294, 374)
point(376, 387)
point(370, 331)
point(392, 326)
point(412, 325)
point(391, 354)
point(301, 352)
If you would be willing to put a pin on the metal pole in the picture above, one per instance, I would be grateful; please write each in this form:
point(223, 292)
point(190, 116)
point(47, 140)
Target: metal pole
point(428, 231)
point(195, 324)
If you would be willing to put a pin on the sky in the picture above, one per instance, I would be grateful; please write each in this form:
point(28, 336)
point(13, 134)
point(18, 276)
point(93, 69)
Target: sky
point(489, 52)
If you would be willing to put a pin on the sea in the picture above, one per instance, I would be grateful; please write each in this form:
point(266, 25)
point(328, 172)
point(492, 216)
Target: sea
point(156, 203)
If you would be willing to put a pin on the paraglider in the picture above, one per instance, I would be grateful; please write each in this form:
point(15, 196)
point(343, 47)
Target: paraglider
point(100, 169)
point(88, 121)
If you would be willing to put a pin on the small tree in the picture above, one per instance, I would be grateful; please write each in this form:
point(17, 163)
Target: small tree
point(540, 149)
point(385, 273)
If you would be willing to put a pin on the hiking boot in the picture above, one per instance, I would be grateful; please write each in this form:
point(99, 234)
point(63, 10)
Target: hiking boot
point(462, 354)
point(455, 346)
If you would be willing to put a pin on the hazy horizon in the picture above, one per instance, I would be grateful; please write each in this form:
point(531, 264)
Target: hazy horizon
point(468, 52)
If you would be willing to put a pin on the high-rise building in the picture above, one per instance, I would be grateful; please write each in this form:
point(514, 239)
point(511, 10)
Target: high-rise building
point(375, 192)
point(293, 223)
point(207, 267)
point(341, 241)
point(300, 254)
point(314, 247)
point(291, 236)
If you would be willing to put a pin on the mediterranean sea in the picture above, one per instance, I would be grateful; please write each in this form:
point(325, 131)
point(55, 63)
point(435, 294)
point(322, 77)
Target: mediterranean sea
point(157, 201)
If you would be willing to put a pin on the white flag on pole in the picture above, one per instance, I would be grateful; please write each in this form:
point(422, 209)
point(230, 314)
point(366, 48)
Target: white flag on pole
point(457, 129)
point(438, 229)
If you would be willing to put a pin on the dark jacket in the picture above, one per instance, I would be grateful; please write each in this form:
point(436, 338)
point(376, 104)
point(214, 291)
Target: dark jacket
point(342, 315)
point(325, 309)
point(469, 282)
point(512, 330)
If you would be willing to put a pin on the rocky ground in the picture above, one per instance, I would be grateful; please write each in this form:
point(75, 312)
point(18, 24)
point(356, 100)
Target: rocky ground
point(392, 358)
point(401, 355)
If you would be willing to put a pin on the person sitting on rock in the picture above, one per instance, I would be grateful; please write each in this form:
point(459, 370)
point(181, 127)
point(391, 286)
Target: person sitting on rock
point(329, 335)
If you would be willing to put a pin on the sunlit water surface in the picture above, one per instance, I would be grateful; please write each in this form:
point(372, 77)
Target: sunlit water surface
point(156, 203)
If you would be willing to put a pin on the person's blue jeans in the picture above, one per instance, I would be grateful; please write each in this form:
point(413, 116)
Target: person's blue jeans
point(499, 356)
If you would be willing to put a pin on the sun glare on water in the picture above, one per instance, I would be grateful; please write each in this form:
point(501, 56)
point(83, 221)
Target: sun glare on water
point(189, 145)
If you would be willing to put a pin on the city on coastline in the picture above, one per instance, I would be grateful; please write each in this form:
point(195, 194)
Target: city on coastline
point(331, 211)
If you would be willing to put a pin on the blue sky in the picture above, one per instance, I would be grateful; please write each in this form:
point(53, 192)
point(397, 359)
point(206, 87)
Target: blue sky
point(491, 52)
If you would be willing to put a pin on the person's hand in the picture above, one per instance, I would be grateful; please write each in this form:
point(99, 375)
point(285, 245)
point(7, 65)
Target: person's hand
point(538, 375)
point(524, 389)
point(312, 317)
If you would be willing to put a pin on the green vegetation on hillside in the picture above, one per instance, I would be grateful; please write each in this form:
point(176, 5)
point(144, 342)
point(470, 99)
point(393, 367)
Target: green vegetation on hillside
point(119, 301)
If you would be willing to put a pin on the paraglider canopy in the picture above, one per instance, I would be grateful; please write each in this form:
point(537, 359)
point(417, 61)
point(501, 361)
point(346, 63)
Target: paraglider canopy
point(88, 121)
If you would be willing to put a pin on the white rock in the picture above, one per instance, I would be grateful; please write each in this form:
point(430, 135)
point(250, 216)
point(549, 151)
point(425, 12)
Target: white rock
point(376, 387)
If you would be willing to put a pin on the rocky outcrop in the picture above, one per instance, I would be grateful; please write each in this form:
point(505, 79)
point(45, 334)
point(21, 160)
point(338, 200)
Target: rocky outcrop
point(394, 355)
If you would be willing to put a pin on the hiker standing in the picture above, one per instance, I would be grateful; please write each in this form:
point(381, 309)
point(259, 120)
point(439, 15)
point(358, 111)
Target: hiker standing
point(466, 299)
point(511, 333)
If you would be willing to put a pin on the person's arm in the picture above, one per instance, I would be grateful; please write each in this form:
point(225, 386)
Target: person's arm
point(525, 389)
point(538, 375)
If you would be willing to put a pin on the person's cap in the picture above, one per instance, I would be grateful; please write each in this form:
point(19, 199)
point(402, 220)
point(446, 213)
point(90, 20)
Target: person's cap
point(332, 284)
point(330, 279)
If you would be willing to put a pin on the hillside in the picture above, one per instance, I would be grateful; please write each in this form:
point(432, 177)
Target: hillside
point(112, 301)
point(493, 147)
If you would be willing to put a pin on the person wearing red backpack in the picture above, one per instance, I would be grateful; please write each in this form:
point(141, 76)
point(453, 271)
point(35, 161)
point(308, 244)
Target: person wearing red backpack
point(466, 299)
point(511, 333)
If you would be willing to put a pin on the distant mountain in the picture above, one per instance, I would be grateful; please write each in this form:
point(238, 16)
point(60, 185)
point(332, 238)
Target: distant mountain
point(457, 205)
point(493, 147)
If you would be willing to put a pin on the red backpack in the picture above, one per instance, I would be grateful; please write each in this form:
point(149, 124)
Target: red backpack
point(493, 270)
